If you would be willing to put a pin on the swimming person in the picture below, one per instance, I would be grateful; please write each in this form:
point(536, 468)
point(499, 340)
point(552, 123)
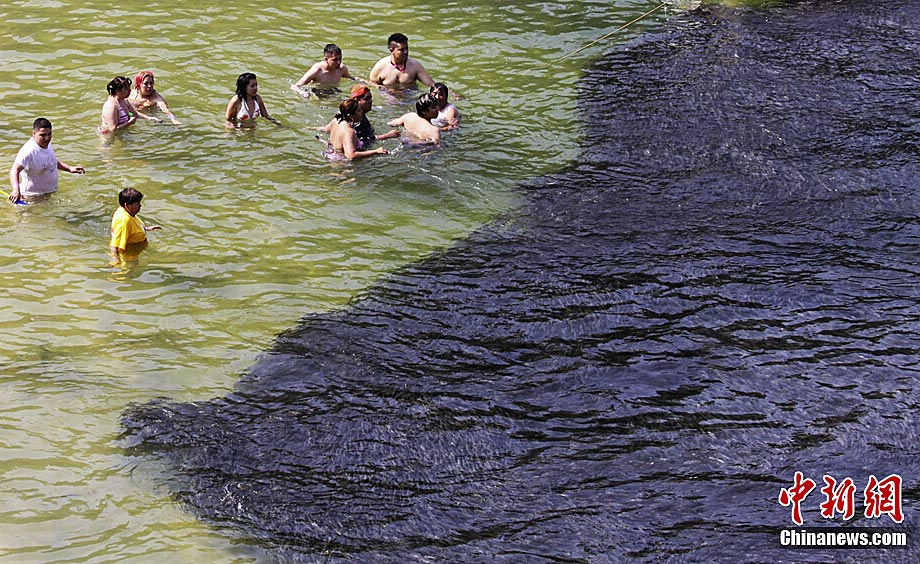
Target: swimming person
point(399, 70)
point(127, 229)
point(35, 170)
point(118, 112)
point(365, 98)
point(145, 96)
point(344, 141)
point(328, 72)
point(246, 106)
point(419, 123)
point(448, 116)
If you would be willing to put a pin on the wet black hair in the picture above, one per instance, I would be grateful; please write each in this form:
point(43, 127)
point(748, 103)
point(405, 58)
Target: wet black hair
point(242, 82)
point(332, 49)
point(41, 123)
point(129, 196)
point(424, 103)
point(117, 84)
point(437, 88)
point(347, 108)
point(397, 38)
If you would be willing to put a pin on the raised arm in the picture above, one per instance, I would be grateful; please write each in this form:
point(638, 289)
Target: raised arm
point(349, 145)
point(310, 74)
point(423, 76)
point(328, 127)
point(61, 165)
point(142, 115)
point(164, 107)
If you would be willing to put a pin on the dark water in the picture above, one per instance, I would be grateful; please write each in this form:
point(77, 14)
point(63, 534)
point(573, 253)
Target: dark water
point(723, 290)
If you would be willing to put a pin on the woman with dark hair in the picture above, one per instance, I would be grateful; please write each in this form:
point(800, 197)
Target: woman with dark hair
point(448, 116)
point(117, 112)
point(344, 142)
point(145, 96)
point(246, 105)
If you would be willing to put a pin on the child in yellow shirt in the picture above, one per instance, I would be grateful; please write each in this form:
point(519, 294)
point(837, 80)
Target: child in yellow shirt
point(127, 228)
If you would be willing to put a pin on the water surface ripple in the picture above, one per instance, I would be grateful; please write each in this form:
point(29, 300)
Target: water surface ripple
point(721, 291)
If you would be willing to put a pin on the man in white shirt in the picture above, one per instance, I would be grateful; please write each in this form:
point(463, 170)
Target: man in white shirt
point(35, 170)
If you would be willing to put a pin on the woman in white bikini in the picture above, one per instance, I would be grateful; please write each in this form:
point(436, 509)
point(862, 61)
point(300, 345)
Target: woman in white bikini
point(246, 105)
point(448, 115)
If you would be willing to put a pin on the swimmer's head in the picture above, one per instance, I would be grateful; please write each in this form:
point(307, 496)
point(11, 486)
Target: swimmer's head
point(398, 44)
point(426, 106)
point(359, 90)
point(397, 38)
point(332, 54)
point(41, 132)
point(439, 91)
point(129, 196)
point(142, 78)
point(348, 108)
point(41, 123)
point(118, 84)
point(242, 85)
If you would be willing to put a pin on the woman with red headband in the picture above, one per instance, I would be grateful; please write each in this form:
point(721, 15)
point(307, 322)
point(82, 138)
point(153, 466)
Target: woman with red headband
point(363, 128)
point(145, 96)
point(343, 138)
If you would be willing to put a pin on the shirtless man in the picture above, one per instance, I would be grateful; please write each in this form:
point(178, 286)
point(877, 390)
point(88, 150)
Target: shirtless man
point(419, 123)
point(327, 72)
point(399, 71)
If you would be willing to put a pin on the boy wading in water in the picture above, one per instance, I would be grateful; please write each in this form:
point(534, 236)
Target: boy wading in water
point(128, 231)
point(324, 74)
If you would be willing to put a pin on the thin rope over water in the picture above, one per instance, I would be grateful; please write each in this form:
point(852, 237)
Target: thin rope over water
point(621, 28)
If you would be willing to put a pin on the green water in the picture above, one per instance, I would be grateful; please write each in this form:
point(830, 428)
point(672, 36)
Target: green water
point(258, 229)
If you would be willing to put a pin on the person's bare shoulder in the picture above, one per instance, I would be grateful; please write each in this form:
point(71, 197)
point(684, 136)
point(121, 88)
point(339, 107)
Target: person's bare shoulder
point(375, 71)
point(414, 66)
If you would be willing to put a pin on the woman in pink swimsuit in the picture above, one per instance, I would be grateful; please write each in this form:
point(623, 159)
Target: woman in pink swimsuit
point(117, 112)
point(246, 105)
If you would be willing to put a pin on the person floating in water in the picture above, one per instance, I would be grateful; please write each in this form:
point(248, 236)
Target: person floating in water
point(246, 106)
point(399, 70)
point(145, 96)
point(419, 123)
point(117, 112)
point(35, 171)
point(128, 232)
point(448, 116)
point(326, 73)
point(344, 141)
